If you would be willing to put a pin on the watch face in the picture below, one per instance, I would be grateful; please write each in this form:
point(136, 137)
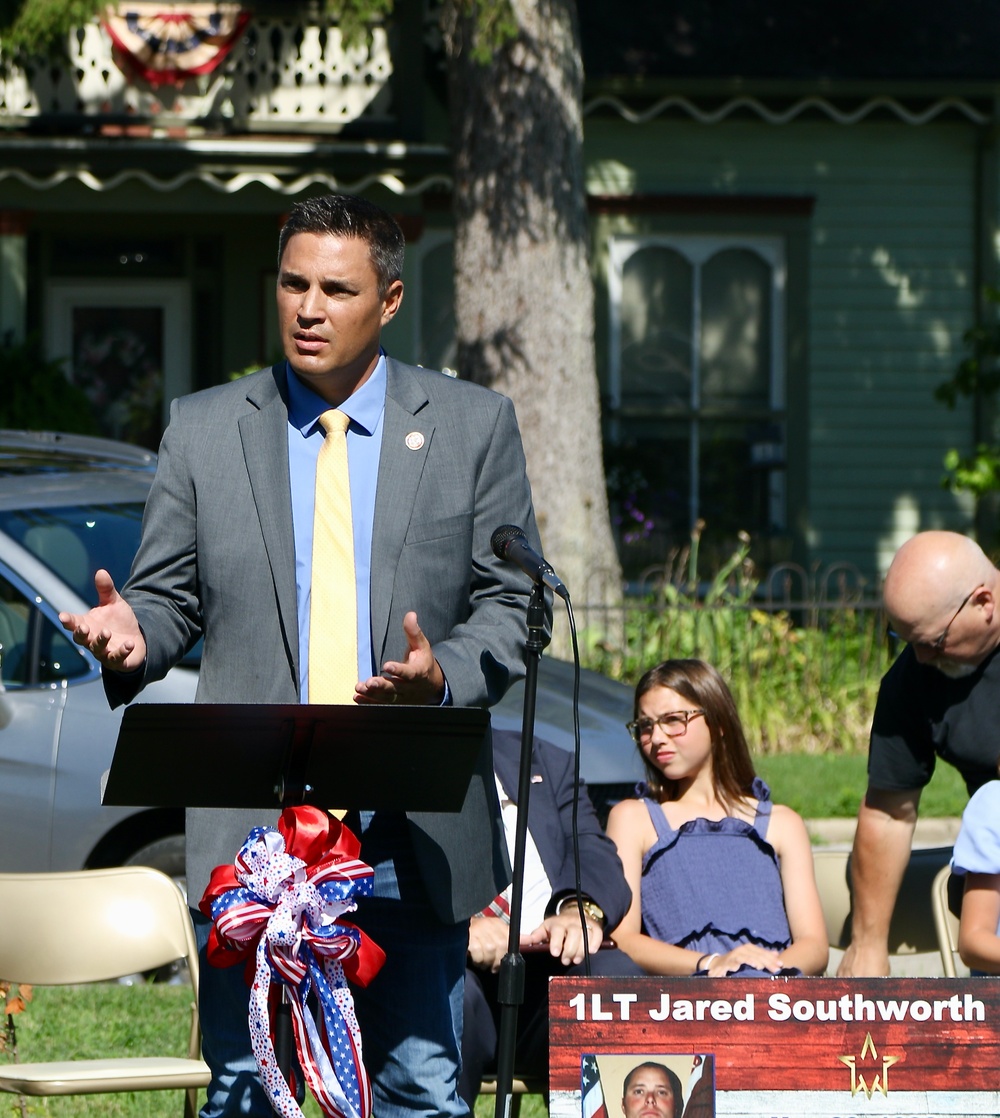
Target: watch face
point(594, 911)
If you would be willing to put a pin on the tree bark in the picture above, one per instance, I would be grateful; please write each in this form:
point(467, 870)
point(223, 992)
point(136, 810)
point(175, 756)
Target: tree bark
point(524, 302)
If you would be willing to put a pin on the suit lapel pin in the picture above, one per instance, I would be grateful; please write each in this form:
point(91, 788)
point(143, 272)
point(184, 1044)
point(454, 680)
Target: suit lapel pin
point(414, 440)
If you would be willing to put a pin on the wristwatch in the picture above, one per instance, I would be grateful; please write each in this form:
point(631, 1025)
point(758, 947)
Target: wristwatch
point(593, 910)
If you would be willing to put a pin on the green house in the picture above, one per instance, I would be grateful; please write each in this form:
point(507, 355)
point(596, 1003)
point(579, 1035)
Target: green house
point(794, 213)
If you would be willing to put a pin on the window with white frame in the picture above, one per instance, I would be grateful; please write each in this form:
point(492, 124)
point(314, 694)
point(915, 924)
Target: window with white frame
point(696, 390)
point(127, 344)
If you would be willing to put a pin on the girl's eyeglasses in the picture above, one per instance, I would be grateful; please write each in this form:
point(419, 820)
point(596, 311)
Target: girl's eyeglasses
point(673, 724)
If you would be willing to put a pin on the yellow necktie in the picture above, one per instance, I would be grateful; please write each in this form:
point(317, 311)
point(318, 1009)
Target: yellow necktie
point(333, 613)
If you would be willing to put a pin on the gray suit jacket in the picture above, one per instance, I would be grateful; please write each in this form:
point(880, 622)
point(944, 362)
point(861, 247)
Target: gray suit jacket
point(217, 560)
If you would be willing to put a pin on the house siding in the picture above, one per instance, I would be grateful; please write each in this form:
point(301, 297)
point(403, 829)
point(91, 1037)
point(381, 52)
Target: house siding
point(891, 266)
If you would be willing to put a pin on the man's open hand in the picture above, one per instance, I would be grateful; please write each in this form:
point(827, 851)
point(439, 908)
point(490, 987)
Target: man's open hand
point(110, 630)
point(418, 680)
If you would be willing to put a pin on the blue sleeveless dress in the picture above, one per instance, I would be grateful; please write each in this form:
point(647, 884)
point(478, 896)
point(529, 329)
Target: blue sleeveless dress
point(711, 885)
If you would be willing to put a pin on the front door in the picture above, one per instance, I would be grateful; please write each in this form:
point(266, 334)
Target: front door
point(127, 344)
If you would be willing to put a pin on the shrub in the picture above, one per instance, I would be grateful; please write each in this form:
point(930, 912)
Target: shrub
point(37, 396)
point(802, 684)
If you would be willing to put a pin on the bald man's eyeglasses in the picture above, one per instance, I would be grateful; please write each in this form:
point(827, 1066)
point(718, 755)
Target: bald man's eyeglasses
point(938, 644)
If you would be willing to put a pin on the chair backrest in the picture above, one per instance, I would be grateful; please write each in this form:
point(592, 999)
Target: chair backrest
point(912, 930)
point(831, 865)
point(946, 897)
point(92, 925)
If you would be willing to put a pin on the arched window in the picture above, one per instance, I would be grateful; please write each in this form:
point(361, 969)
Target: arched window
point(696, 417)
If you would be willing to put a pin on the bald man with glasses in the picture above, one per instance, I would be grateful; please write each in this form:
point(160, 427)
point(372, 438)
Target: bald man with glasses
point(940, 698)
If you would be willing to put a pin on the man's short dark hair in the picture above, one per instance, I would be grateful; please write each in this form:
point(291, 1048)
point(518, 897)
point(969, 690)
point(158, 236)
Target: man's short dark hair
point(346, 215)
point(672, 1078)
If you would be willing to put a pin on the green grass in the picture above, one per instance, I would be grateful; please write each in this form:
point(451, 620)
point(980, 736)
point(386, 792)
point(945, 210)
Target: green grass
point(830, 785)
point(532, 1106)
point(82, 1022)
point(86, 1022)
point(107, 1019)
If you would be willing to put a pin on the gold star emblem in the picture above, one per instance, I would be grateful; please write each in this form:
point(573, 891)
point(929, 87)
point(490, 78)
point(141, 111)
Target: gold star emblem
point(880, 1079)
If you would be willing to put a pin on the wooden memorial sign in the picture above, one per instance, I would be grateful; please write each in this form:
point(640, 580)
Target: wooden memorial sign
point(779, 1048)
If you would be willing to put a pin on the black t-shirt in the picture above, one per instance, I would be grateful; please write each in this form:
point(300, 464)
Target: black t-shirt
point(922, 714)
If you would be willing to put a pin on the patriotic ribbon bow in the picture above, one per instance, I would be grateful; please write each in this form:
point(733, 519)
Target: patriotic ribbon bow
point(280, 908)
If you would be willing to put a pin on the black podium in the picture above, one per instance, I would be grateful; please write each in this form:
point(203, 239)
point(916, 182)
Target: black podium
point(374, 758)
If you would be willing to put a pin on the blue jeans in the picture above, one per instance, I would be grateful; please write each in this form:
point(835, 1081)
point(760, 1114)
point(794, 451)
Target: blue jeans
point(223, 1005)
point(410, 1015)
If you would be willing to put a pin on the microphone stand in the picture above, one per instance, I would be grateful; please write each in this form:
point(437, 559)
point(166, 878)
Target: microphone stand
point(510, 993)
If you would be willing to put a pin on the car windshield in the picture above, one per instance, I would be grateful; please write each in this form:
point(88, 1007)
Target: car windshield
point(76, 540)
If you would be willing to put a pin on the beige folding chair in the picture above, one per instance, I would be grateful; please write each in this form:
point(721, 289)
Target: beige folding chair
point(834, 887)
point(111, 923)
point(946, 897)
point(913, 938)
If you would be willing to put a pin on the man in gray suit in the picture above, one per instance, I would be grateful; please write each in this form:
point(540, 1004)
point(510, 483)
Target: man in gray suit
point(435, 466)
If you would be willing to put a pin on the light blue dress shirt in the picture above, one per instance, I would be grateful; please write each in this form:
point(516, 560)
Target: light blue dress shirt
point(389, 851)
point(366, 408)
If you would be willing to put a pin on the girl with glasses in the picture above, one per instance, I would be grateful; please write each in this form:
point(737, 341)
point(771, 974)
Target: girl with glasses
point(722, 879)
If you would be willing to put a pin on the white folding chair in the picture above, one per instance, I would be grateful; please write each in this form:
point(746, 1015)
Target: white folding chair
point(91, 926)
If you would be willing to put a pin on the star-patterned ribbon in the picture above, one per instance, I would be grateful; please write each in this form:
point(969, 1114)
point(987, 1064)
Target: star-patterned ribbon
point(280, 909)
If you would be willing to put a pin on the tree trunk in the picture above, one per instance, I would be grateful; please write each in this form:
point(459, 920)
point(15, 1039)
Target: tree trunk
point(524, 302)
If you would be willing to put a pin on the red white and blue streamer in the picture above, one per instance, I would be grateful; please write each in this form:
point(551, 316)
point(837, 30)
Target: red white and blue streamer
point(167, 42)
point(280, 907)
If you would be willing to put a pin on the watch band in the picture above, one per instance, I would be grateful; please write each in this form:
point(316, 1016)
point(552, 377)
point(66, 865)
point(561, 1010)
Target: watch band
point(591, 908)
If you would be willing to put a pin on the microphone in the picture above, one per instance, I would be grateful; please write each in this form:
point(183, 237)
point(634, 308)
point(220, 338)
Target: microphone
point(511, 544)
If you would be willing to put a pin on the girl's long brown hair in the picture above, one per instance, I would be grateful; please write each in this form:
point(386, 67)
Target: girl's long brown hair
point(703, 687)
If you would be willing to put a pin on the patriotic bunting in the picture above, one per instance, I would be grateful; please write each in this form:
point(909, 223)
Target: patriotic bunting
point(279, 908)
point(169, 43)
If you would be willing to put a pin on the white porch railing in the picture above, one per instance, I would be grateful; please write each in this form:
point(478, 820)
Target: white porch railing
point(283, 75)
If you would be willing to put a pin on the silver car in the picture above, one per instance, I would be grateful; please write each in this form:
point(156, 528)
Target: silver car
point(69, 505)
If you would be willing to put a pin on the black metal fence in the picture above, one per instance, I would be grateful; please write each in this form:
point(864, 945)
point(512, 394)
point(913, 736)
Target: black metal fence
point(803, 651)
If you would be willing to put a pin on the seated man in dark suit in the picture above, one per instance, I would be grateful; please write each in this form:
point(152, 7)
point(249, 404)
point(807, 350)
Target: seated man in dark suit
point(551, 931)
